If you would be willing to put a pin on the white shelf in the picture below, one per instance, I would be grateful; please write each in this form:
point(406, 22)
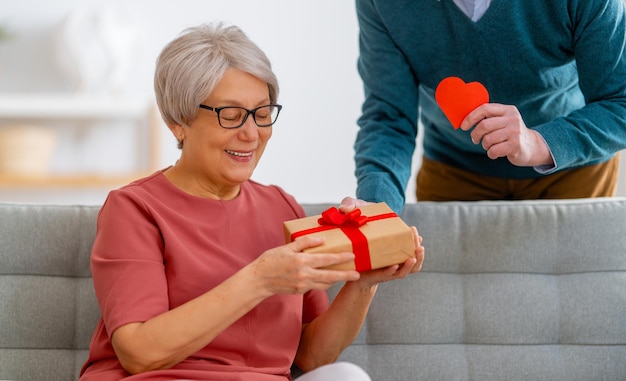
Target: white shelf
point(84, 111)
point(69, 106)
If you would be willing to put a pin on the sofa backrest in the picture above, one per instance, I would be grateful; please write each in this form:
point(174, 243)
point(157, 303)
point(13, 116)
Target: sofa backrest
point(48, 308)
point(520, 290)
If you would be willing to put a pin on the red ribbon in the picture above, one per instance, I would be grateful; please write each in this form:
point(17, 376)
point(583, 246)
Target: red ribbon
point(349, 223)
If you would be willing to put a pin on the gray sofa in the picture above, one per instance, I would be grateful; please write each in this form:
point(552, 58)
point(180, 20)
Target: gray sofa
point(532, 290)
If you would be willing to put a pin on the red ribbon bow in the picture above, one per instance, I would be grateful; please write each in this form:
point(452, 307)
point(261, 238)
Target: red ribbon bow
point(332, 216)
point(349, 223)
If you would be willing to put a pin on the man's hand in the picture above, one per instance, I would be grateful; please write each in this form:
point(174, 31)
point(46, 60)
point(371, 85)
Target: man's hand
point(503, 133)
point(348, 204)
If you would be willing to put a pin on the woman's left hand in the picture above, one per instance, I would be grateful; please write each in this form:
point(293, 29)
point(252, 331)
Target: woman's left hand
point(329, 334)
point(399, 271)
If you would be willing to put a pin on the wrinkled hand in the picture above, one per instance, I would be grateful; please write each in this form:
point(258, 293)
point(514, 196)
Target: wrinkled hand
point(288, 270)
point(503, 133)
point(410, 266)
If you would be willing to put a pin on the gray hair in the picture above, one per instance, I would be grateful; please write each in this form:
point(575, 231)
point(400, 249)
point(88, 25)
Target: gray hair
point(191, 65)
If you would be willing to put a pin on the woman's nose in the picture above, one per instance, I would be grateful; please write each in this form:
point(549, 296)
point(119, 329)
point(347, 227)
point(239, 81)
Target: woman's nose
point(249, 130)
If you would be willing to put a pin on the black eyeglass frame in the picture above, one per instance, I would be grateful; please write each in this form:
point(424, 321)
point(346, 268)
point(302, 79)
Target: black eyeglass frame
point(217, 110)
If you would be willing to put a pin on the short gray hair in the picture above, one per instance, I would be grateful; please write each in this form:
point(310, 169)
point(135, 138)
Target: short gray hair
point(191, 65)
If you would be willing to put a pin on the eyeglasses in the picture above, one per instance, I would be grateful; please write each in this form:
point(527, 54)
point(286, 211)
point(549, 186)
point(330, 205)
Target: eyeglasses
point(234, 117)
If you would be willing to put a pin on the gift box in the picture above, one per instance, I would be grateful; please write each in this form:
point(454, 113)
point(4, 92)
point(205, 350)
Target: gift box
point(374, 233)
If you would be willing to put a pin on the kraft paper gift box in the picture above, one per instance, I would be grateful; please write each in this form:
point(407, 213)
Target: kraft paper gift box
point(374, 233)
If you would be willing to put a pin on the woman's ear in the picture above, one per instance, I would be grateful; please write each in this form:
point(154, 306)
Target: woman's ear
point(179, 134)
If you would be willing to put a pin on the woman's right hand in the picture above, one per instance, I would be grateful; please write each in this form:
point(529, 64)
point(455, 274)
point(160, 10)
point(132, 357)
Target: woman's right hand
point(288, 269)
point(171, 337)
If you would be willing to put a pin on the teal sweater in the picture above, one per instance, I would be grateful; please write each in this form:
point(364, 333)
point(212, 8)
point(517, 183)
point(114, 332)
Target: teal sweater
point(562, 63)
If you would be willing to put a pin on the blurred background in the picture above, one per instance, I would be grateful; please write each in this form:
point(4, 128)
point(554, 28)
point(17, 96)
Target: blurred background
point(77, 114)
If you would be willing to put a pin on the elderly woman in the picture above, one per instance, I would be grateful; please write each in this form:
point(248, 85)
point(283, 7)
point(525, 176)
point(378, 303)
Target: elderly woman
point(190, 268)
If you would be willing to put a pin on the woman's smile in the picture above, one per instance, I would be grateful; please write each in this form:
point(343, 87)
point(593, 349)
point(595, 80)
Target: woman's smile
point(240, 155)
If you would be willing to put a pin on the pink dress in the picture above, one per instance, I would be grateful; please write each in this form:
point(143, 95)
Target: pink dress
point(157, 247)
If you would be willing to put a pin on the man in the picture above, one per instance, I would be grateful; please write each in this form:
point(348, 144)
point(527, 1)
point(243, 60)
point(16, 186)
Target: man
point(556, 76)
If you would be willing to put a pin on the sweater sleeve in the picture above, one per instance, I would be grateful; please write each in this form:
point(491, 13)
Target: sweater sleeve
point(385, 142)
point(598, 129)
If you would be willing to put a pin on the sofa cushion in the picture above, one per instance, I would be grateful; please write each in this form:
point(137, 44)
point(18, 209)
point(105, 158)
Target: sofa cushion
point(525, 290)
point(48, 308)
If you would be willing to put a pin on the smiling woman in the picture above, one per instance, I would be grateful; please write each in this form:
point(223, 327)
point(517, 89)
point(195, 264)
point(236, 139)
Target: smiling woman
point(190, 267)
point(215, 160)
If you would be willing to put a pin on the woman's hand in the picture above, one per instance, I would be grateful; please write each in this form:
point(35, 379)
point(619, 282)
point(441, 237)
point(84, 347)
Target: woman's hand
point(171, 337)
point(411, 265)
point(399, 271)
point(288, 270)
point(503, 133)
point(326, 337)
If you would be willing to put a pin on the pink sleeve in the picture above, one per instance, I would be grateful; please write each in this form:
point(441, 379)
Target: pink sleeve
point(314, 304)
point(127, 263)
point(295, 206)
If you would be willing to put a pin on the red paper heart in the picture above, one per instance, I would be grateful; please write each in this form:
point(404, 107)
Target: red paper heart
point(457, 98)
